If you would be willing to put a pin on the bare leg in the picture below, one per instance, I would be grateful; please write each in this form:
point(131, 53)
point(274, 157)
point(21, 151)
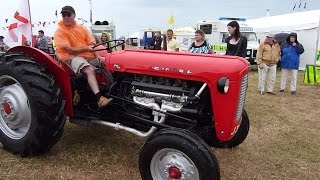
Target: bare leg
point(92, 81)
point(91, 77)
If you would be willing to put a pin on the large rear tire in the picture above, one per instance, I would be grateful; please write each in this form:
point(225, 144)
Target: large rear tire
point(177, 154)
point(208, 134)
point(32, 110)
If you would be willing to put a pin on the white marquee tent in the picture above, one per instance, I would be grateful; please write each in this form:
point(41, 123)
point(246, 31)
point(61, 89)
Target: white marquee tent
point(185, 37)
point(305, 24)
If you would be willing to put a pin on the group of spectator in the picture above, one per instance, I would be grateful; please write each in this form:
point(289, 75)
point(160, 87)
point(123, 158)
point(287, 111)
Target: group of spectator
point(43, 43)
point(200, 45)
point(269, 53)
point(167, 43)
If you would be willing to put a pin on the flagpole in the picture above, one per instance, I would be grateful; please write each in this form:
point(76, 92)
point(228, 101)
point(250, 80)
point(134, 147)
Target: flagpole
point(91, 13)
point(30, 23)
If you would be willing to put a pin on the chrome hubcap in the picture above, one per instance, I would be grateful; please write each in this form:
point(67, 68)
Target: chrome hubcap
point(15, 112)
point(173, 164)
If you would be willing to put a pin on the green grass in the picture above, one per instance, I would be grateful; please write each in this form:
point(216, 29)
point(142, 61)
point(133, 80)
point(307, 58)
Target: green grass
point(283, 143)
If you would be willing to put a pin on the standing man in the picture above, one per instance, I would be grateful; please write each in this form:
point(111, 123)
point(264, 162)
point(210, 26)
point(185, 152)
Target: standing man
point(267, 59)
point(42, 42)
point(170, 44)
point(3, 46)
point(290, 59)
point(156, 42)
point(74, 47)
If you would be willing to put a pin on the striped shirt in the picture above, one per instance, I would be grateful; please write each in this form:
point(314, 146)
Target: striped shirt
point(204, 48)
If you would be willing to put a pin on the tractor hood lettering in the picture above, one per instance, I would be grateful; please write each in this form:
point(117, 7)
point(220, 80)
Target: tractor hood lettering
point(170, 69)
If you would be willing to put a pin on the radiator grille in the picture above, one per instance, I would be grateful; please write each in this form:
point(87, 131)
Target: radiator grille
point(242, 97)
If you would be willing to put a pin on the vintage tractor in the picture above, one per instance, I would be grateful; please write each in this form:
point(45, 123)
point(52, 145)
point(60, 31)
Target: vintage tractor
point(182, 102)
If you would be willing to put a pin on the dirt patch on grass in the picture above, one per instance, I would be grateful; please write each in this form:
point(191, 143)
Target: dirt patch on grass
point(283, 143)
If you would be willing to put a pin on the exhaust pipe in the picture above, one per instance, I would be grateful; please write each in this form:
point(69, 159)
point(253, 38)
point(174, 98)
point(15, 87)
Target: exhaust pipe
point(148, 102)
point(172, 96)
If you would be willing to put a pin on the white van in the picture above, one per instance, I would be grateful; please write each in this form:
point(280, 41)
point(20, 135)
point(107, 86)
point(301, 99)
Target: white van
point(217, 31)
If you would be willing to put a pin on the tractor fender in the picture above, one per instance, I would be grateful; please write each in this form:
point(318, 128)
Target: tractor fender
point(52, 66)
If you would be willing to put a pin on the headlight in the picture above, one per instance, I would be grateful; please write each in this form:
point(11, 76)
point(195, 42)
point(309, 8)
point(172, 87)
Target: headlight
point(223, 85)
point(248, 52)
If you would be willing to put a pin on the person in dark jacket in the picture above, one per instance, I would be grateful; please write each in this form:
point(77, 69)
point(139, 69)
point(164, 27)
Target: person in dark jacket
point(156, 42)
point(236, 44)
point(290, 59)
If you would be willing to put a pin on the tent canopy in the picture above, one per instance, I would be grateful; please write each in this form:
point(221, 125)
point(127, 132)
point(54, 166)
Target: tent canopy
point(287, 22)
point(137, 35)
point(184, 30)
point(2, 33)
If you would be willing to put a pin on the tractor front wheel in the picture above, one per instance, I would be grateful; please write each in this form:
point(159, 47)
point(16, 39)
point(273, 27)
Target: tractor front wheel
point(208, 134)
point(177, 154)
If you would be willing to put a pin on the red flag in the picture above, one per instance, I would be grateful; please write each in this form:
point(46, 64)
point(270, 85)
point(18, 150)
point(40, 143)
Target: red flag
point(20, 26)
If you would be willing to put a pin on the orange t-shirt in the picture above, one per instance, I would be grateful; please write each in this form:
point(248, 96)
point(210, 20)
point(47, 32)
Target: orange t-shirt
point(75, 36)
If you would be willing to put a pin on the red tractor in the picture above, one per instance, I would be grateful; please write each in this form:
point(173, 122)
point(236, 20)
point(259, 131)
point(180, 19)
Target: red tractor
point(182, 102)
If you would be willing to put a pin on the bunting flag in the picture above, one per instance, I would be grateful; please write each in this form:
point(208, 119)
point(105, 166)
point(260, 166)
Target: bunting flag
point(19, 29)
point(21, 19)
point(171, 20)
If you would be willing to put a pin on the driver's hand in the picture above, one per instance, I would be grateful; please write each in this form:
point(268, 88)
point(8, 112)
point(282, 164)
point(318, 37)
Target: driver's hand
point(89, 49)
point(101, 59)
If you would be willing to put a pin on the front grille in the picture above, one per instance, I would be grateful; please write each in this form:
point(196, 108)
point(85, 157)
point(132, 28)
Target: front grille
point(254, 55)
point(248, 53)
point(242, 97)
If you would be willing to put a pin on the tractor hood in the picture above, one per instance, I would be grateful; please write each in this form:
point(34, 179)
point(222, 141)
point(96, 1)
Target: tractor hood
point(188, 66)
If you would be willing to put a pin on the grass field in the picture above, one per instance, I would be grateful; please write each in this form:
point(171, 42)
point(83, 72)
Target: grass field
point(283, 143)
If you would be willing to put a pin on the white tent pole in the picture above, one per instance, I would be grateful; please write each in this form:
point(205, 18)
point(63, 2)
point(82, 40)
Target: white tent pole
point(317, 45)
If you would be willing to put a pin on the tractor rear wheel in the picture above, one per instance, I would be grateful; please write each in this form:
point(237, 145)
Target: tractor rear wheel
point(31, 107)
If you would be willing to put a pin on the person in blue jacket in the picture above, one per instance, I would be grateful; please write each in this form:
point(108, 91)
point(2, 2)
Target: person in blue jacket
point(290, 59)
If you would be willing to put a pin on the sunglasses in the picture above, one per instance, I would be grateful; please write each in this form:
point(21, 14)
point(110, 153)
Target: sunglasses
point(66, 14)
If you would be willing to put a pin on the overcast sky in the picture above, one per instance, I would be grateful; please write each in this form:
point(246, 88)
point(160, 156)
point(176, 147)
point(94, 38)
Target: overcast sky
point(136, 15)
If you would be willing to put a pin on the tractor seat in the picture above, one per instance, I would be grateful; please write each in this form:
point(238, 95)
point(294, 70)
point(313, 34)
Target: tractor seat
point(71, 73)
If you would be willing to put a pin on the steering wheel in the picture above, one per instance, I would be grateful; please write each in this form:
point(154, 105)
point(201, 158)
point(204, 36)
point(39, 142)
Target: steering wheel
point(118, 42)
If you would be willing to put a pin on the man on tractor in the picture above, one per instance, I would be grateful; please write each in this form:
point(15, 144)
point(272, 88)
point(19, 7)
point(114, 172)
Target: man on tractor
point(74, 47)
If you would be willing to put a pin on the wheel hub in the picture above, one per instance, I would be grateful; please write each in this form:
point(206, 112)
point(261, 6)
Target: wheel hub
point(174, 173)
point(6, 107)
point(15, 112)
point(173, 164)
